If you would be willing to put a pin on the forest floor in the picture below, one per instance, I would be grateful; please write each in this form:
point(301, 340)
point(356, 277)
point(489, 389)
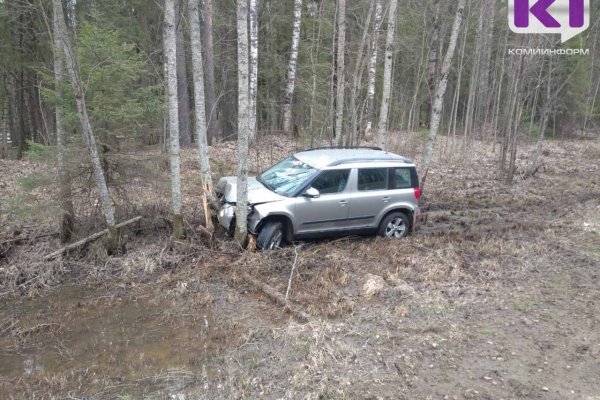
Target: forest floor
point(497, 296)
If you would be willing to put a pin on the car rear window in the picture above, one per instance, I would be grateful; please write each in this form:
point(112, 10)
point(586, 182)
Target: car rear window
point(401, 178)
point(372, 179)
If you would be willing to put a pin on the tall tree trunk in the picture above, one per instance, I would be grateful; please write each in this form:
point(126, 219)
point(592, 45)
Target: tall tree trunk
point(387, 75)
point(484, 89)
point(209, 71)
point(473, 83)
point(15, 114)
point(357, 79)
point(86, 128)
point(341, 79)
point(199, 103)
point(171, 70)
point(535, 161)
point(4, 130)
point(432, 65)
point(183, 87)
point(441, 92)
point(373, 68)
point(291, 71)
point(253, 70)
point(241, 230)
point(67, 210)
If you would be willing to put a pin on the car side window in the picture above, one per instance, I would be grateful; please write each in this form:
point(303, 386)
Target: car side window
point(331, 182)
point(400, 178)
point(372, 179)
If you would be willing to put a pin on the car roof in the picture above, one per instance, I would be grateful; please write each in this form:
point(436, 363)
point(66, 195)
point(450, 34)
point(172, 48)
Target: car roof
point(331, 157)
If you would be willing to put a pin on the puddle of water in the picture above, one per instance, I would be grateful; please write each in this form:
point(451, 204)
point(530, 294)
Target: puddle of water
point(77, 330)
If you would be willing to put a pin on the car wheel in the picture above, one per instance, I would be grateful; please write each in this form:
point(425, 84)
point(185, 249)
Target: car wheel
point(395, 225)
point(271, 236)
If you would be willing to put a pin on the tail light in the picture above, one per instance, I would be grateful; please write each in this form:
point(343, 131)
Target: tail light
point(418, 193)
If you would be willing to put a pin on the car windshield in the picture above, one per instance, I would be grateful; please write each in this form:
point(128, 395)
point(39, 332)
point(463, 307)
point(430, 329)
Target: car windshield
point(287, 177)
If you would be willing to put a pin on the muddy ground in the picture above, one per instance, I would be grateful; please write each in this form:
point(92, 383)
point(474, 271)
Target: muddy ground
point(497, 296)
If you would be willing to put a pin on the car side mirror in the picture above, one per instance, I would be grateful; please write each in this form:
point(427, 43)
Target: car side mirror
point(312, 193)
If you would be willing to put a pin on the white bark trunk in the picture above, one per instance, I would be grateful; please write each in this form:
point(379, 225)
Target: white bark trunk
point(341, 79)
point(373, 68)
point(209, 70)
point(357, 79)
point(171, 70)
point(68, 212)
point(199, 101)
point(291, 72)
point(86, 128)
point(241, 231)
point(387, 75)
point(253, 69)
point(438, 101)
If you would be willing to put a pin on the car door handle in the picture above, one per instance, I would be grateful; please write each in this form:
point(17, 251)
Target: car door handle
point(386, 199)
point(343, 203)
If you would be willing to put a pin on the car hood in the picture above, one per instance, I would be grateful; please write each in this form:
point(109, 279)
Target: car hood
point(257, 192)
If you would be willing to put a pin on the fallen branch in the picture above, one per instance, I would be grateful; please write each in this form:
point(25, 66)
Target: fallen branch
point(277, 298)
point(287, 292)
point(88, 239)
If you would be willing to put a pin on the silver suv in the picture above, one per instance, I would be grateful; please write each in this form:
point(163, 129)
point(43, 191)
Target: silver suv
point(325, 192)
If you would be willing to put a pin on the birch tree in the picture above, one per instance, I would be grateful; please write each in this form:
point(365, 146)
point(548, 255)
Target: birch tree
point(241, 229)
point(199, 104)
point(67, 210)
point(171, 72)
point(357, 78)
point(432, 67)
point(373, 67)
point(341, 79)
point(209, 70)
point(291, 71)
point(387, 75)
point(438, 101)
point(86, 127)
point(185, 122)
point(253, 69)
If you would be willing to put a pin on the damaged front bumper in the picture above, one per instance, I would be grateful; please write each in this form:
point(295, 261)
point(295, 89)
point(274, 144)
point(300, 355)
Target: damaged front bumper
point(226, 218)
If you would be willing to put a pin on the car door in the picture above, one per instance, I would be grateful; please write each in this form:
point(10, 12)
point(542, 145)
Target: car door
point(370, 197)
point(328, 212)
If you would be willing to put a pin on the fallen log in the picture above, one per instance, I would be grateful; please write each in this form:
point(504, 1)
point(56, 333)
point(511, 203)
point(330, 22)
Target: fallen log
point(88, 239)
point(277, 298)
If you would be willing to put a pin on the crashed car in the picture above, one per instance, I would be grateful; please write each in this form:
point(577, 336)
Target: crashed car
point(327, 192)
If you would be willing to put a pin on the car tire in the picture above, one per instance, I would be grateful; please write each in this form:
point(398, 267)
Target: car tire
point(395, 225)
point(271, 236)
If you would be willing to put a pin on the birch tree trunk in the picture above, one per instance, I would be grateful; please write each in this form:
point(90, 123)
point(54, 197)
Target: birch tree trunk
point(185, 122)
point(241, 229)
point(253, 69)
point(209, 70)
point(67, 210)
point(486, 62)
point(171, 70)
point(432, 65)
point(341, 79)
point(535, 163)
point(291, 72)
point(438, 101)
point(199, 104)
point(373, 68)
point(387, 75)
point(86, 128)
point(357, 78)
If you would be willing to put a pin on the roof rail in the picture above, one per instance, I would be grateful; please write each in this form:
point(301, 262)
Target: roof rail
point(345, 148)
point(369, 160)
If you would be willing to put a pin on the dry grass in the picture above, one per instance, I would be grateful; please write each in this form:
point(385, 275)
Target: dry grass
point(489, 257)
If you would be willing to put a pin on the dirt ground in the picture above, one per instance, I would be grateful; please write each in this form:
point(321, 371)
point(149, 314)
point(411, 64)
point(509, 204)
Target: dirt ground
point(497, 296)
